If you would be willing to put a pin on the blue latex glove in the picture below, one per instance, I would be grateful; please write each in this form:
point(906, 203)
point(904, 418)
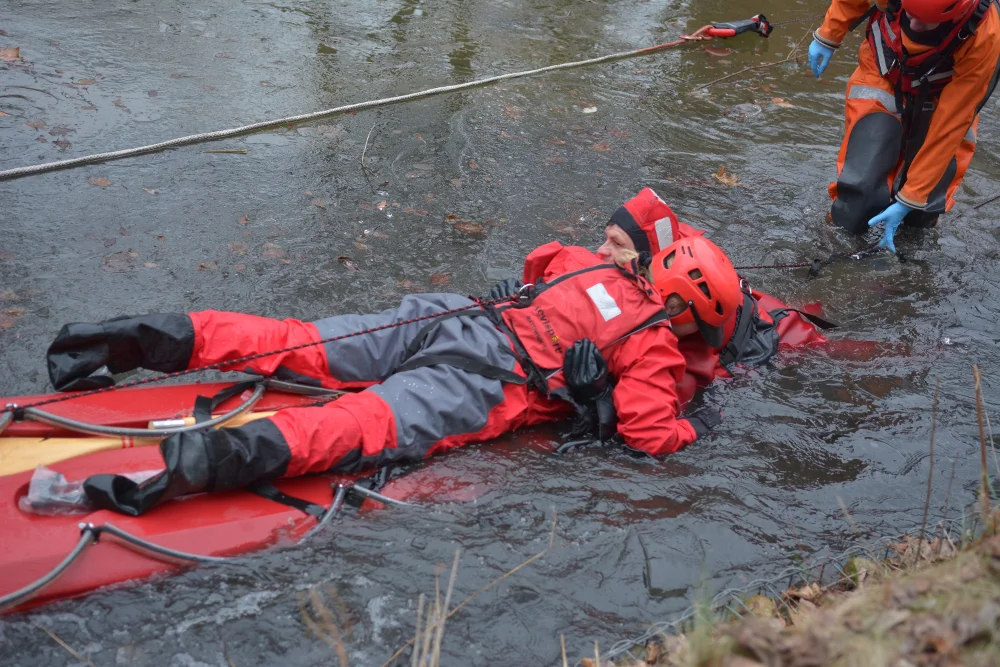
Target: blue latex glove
point(893, 218)
point(819, 57)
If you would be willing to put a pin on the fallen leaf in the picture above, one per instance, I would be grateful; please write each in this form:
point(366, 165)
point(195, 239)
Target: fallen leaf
point(440, 278)
point(7, 321)
point(41, 140)
point(265, 84)
point(239, 267)
point(224, 54)
point(2, 114)
point(778, 102)
point(110, 242)
point(208, 266)
point(161, 238)
point(451, 217)
point(308, 193)
point(319, 203)
point(100, 181)
point(429, 197)
point(473, 165)
point(35, 124)
point(457, 182)
point(723, 176)
point(380, 235)
point(62, 144)
point(11, 55)
point(420, 139)
point(208, 89)
point(346, 261)
point(149, 265)
point(4, 256)
point(415, 211)
point(123, 231)
point(554, 160)
point(87, 82)
point(381, 205)
point(121, 105)
point(245, 219)
point(239, 248)
point(272, 251)
point(590, 110)
point(118, 262)
point(601, 147)
point(360, 246)
point(151, 191)
point(175, 76)
point(8, 295)
point(152, 93)
point(60, 131)
point(469, 227)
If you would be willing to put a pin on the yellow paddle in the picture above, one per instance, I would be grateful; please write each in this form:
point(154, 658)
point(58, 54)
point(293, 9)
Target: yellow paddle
point(20, 454)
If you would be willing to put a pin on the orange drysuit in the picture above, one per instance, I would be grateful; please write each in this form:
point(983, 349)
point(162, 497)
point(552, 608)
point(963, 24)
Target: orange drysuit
point(891, 149)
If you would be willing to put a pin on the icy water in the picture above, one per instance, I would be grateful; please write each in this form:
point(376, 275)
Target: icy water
point(454, 192)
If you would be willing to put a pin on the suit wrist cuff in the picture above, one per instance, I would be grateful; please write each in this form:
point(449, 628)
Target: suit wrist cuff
point(826, 42)
point(909, 202)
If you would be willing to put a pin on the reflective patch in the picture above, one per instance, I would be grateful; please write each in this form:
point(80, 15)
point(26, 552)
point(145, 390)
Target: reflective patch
point(604, 302)
point(664, 228)
point(883, 68)
point(885, 98)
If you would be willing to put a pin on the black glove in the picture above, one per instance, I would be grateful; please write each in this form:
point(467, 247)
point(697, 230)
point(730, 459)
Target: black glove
point(506, 288)
point(160, 342)
point(198, 461)
point(704, 420)
point(586, 371)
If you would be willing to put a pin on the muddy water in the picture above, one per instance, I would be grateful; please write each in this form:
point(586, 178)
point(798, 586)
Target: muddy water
point(471, 182)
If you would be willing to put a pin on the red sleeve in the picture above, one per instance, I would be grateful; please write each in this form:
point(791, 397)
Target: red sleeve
point(220, 336)
point(648, 366)
point(538, 260)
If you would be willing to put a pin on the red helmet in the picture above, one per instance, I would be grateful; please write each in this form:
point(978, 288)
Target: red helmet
point(938, 11)
point(699, 272)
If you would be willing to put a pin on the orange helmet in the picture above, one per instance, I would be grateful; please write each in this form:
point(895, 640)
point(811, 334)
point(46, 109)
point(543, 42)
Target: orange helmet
point(699, 272)
point(938, 11)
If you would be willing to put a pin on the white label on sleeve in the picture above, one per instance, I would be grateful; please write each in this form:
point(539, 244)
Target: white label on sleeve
point(604, 302)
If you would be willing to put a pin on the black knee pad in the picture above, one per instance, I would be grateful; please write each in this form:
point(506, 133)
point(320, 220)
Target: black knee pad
point(862, 189)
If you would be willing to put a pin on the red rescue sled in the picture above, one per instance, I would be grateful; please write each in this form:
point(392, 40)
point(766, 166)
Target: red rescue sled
point(206, 525)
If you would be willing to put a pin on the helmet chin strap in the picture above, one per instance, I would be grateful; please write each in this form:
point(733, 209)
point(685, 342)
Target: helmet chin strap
point(712, 335)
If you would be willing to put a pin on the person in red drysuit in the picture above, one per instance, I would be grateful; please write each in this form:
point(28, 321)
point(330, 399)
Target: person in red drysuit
point(751, 336)
point(439, 382)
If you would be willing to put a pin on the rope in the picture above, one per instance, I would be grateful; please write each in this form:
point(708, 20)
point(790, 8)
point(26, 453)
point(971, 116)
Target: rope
point(31, 170)
point(221, 365)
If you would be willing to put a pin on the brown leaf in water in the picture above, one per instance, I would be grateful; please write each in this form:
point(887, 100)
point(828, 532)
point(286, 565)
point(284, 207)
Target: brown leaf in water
point(348, 262)
point(717, 51)
point(62, 144)
point(360, 246)
point(4, 256)
point(554, 160)
point(265, 84)
point(512, 111)
point(176, 76)
point(473, 165)
point(380, 235)
point(451, 217)
point(41, 140)
point(440, 278)
point(601, 147)
point(208, 266)
point(467, 227)
point(726, 178)
point(208, 89)
point(381, 205)
point(87, 82)
point(239, 267)
point(239, 248)
point(121, 105)
point(149, 265)
point(7, 321)
point(100, 181)
point(319, 203)
point(415, 211)
point(3, 114)
point(118, 262)
point(779, 102)
point(161, 238)
point(123, 231)
point(60, 131)
point(558, 142)
point(273, 251)
point(152, 93)
point(245, 219)
point(35, 124)
point(224, 54)
point(429, 197)
point(8, 295)
point(110, 242)
point(457, 182)
point(11, 55)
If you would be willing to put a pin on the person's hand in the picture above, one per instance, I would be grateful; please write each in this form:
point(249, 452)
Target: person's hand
point(819, 57)
point(704, 420)
point(586, 371)
point(893, 218)
point(505, 289)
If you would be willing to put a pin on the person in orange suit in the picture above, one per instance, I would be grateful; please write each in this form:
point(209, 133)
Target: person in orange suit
point(925, 71)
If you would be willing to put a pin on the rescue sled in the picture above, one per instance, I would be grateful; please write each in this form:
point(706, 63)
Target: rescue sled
point(51, 557)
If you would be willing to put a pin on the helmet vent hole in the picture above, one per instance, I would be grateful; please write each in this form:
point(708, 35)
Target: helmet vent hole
point(718, 308)
point(704, 289)
point(694, 274)
point(668, 260)
point(950, 7)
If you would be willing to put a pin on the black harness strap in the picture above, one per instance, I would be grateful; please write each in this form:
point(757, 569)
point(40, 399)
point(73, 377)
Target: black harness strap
point(825, 325)
point(271, 492)
point(864, 17)
point(733, 350)
point(204, 406)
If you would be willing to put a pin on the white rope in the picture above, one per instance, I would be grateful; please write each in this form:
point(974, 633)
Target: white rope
point(267, 124)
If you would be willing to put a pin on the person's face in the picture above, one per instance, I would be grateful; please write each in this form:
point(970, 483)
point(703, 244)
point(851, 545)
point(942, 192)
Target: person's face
point(615, 240)
point(919, 26)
